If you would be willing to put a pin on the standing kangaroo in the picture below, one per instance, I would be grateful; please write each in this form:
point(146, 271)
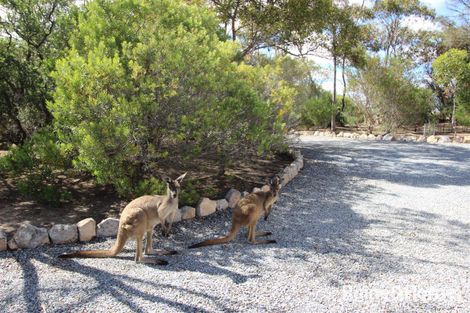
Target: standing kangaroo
point(139, 218)
point(247, 212)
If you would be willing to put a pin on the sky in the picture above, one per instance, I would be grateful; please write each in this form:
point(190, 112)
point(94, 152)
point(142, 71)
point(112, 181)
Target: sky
point(442, 8)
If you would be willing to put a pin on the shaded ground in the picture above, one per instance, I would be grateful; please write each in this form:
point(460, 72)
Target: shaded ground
point(89, 200)
point(365, 227)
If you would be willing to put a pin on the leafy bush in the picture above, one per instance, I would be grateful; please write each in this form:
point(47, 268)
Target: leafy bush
point(34, 186)
point(149, 80)
point(318, 111)
point(189, 195)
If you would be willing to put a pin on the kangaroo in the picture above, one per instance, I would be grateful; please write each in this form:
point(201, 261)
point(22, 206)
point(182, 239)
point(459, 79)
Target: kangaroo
point(139, 218)
point(247, 212)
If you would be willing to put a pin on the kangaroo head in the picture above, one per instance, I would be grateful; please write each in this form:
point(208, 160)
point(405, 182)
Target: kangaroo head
point(275, 186)
point(174, 186)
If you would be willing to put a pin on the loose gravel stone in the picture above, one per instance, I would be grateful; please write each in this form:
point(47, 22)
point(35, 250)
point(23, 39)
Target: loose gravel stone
point(366, 226)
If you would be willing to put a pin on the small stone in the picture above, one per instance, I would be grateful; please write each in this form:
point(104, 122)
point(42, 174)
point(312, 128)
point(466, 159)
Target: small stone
point(233, 196)
point(86, 229)
point(222, 204)
point(12, 245)
point(63, 233)
point(444, 139)
point(29, 236)
point(421, 139)
point(188, 212)
point(388, 137)
point(3, 241)
point(206, 207)
point(371, 137)
point(432, 139)
point(317, 133)
point(409, 139)
point(265, 188)
point(107, 227)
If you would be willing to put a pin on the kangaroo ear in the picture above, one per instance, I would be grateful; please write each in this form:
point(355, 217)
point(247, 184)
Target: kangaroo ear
point(166, 179)
point(180, 179)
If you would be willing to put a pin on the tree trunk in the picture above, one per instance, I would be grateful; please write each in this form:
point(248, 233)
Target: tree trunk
point(343, 102)
point(333, 114)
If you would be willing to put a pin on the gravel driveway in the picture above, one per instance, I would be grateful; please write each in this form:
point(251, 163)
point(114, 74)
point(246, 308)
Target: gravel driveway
point(366, 226)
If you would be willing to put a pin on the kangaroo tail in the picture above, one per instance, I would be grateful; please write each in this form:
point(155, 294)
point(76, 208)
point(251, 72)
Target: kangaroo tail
point(118, 246)
point(231, 235)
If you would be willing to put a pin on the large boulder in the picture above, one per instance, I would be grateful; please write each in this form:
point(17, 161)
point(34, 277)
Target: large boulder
point(188, 212)
point(86, 229)
point(63, 233)
point(222, 204)
point(233, 196)
point(29, 236)
point(107, 227)
point(206, 207)
point(3, 241)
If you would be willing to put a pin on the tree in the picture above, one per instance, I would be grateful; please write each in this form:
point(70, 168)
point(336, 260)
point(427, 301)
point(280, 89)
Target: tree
point(282, 25)
point(149, 81)
point(33, 34)
point(394, 37)
point(388, 96)
point(452, 71)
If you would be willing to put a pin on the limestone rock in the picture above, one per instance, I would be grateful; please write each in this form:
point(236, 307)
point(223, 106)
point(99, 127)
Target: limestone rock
point(388, 137)
point(466, 139)
point(107, 227)
point(444, 139)
point(29, 236)
point(233, 196)
point(245, 193)
point(12, 245)
point(256, 189)
point(432, 139)
point(3, 241)
point(371, 137)
point(265, 188)
point(421, 139)
point(222, 204)
point(363, 136)
point(378, 137)
point(63, 233)
point(188, 212)
point(206, 207)
point(316, 133)
point(86, 229)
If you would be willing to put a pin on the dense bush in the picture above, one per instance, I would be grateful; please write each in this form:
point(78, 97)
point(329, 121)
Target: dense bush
point(150, 80)
point(318, 111)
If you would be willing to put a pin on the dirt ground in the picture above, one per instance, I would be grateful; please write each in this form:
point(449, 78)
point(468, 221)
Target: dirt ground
point(99, 202)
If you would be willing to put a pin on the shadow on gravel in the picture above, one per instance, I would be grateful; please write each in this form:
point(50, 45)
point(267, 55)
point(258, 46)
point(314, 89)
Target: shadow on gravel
point(104, 284)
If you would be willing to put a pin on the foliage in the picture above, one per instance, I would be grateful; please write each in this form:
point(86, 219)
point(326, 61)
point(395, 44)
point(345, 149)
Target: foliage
point(34, 33)
point(151, 80)
point(318, 111)
point(452, 71)
point(388, 96)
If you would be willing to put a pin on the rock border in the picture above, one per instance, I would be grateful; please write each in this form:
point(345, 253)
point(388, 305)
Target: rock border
point(433, 139)
point(29, 236)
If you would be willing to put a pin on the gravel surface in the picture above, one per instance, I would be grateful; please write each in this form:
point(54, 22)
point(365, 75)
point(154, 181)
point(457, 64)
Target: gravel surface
point(366, 226)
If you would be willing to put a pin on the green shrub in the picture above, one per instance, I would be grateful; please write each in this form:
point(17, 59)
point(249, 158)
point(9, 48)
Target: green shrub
point(189, 195)
point(34, 186)
point(318, 111)
point(146, 80)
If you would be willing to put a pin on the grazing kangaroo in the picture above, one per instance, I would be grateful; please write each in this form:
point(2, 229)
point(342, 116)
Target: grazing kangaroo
point(247, 212)
point(139, 218)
